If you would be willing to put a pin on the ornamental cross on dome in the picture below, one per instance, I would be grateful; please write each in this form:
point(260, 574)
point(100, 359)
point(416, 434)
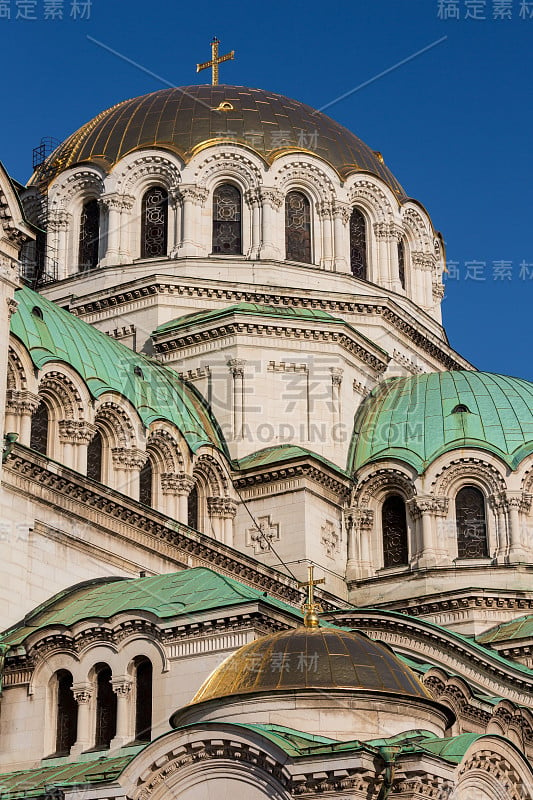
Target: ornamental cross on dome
point(215, 61)
point(310, 608)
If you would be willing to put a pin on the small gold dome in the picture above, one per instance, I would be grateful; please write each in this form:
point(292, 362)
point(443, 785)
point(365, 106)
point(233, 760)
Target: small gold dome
point(312, 658)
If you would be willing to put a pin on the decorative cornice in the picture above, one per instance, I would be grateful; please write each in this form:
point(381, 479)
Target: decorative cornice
point(405, 323)
point(290, 471)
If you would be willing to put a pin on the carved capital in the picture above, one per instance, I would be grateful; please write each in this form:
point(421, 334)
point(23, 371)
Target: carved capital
point(253, 197)
point(428, 504)
point(121, 686)
point(325, 210)
point(384, 231)
point(12, 306)
point(73, 431)
point(437, 290)
point(117, 202)
point(221, 507)
point(236, 366)
point(21, 401)
point(342, 211)
point(423, 261)
point(360, 518)
point(336, 375)
point(189, 193)
point(128, 458)
point(177, 483)
point(272, 197)
point(82, 693)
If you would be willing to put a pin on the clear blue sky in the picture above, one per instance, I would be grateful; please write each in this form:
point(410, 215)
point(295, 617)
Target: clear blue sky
point(454, 124)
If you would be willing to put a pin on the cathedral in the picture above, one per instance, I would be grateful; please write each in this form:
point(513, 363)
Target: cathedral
point(264, 532)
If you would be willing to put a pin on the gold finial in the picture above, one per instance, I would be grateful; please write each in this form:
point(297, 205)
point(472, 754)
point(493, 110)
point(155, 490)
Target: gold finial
point(310, 607)
point(215, 60)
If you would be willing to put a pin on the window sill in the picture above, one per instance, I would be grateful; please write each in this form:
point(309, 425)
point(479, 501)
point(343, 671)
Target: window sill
point(384, 572)
point(473, 562)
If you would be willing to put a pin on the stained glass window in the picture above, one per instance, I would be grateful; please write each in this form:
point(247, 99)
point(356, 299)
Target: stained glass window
point(154, 223)
point(143, 701)
point(358, 261)
point(471, 523)
point(89, 235)
point(227, 213)
point(94, 457)
point(67, 714)
point(298, 228)
point(192, 509)
point(146, 477)
point(106, 708)
point(394, 525)
point(401, 262)
point(39, 429)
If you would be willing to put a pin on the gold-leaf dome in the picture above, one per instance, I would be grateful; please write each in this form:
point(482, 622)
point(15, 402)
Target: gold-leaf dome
point(185, 120)
point(312, 658)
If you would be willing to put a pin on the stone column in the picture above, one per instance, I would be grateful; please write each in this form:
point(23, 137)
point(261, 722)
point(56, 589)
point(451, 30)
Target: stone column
point(192, 199)
point(122, 688)
point(423, 270)
point(396, 234)
point(498, 505)
point(515, 502)
point(57, 226)
point(127, 463)
point(341, 217)
point(118, 250)
point(74, 436)
point(20, 407)
point(83, 693)
point(359, 524)
point(221, 511)
point(174, 220)
point(336, 384)
point(253, 199)
point(176, 488)
point(424, 510)
point(236, 366)
point(325, 213)
point(271, 246)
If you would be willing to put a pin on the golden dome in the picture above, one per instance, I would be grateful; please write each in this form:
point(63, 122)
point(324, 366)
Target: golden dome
point(312, 658)
point(184, 120)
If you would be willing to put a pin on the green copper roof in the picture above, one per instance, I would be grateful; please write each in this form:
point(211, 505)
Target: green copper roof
point(452, 749)
point(516, 629)
point(270, 456)
point(166, 596)
point(413, 419)
point(105, 364)
point(286, 313)
point(87, 774)
point(247, 309)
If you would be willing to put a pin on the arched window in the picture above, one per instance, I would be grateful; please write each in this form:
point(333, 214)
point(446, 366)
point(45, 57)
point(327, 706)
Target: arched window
point(94, 457)
point(298, 228)
point(67, 714)
point(89, 235)
point(192, 509)
point(39, 429)
point(227, 214)
point(471, 523)
point(401, 262)
point(143, 700)
point(106, 708)
point(394, 527)
point(154, 225)
point(358, 261)
point(146, 478)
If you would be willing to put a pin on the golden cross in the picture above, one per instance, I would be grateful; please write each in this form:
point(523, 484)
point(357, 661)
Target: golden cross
point(310, 607)
point(215, 60)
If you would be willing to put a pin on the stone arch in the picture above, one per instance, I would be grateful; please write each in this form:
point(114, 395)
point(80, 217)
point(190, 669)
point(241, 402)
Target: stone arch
point(372, 198)
point(116, 421)
point(382, 482)
point(230, 165)
point(494, 769)
point(65, 391)
point(138, 171)
point(418, 230)
point(306, 176)
point(166, 449)
point(208, 470)
point(462, 471)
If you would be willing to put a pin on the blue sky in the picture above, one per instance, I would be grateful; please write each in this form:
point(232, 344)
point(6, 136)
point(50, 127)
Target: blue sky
point(454, 123)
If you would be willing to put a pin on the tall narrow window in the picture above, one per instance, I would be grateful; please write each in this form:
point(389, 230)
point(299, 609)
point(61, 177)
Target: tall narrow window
point(39, 429)
point(394, 526)
point(154, 223)
point(227, 214)
point(94, 457)
point(358, 261)
point(298, 227)
point(192, 509)
point(106, 708)
point(146, 478)
point(89, 235)
point(67, 714)
point(143, 701)
point(471, 523)
point(401, 262)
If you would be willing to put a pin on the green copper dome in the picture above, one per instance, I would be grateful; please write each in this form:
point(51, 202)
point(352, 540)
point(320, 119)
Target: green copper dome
point(50, 333)
point(417, 419)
